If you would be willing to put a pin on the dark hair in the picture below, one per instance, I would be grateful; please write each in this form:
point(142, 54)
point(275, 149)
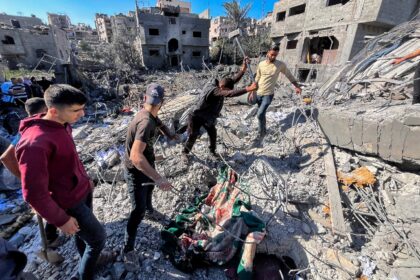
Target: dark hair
point(227, 82)
point(60, 95)
point(35, 105)
point(275, 48)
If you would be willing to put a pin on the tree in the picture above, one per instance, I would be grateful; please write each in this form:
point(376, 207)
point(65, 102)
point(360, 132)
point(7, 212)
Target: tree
point(236, 13)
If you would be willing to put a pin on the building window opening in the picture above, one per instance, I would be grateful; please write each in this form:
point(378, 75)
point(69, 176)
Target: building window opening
point(154, 52)
point(153, 31)
point(291, 44)
point(196, 53)
point(15, 23)
point(336, 2)
point(280, 16)
point(305, 75)
point(320, 50)
point(184, 32)
point(40, 53)
point(172, 20)
point(297, 10)
point(173, 45)
point(8, 40)
point(197, 34)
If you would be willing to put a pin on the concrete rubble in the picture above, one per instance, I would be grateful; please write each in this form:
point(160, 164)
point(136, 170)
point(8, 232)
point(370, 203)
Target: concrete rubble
point(285, 178)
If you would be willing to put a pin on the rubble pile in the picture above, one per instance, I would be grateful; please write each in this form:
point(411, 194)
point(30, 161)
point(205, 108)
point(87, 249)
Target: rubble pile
point(371, 75)
point(287, 179)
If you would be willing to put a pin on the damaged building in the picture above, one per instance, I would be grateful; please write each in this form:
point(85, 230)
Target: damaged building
point(316, 37)
point(25, 40)
point(167, 37)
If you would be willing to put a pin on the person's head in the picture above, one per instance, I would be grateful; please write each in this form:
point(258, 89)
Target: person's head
point(33, 79)
point(13, 80)
point(35, 105)
point(154, 95)
point(43, 78)
point(273, 53)
point(65, 103)
point(226, 84)
point(19, 80)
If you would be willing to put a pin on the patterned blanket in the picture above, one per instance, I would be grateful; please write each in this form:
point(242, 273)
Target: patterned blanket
point(215, 229)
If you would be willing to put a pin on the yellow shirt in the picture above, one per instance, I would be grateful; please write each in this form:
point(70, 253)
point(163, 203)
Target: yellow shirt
point(267, 75)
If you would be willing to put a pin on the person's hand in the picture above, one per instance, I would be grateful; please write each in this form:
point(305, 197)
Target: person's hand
point(164, 184)
point(71, 227)
point(92, 184)
point(252, 87)
point(397, 61)
point(298, 90)
point(245, 64)
point(255, 237)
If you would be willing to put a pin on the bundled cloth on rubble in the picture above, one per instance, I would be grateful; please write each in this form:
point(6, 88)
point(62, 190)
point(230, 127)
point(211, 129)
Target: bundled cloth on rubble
point(212, 229)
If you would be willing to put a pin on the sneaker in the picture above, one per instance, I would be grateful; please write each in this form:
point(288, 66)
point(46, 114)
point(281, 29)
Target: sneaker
point(131, 261)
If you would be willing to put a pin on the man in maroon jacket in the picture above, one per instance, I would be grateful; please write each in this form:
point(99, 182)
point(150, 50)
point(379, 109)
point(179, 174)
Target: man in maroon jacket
point(54, 181)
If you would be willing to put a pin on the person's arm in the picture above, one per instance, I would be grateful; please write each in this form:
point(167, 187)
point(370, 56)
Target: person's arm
point(409, 56)
point(33, 165)
point(9, 160)
point(140, 162)
point(290, 77)
point(165, 130)
point(241, 73)
point(258, 77)
point(236, 92)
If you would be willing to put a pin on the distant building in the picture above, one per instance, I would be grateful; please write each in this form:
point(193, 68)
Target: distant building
point(219, 28)
point(319, 36)
point(59, 21)
point(167, 37)
point(124, 26)
point(184, 7)
point(103, 27)
point(27, 44)
point(19, 21)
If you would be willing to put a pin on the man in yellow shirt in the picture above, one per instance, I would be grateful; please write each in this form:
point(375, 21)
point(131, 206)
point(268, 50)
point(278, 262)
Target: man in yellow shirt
point(268, 72)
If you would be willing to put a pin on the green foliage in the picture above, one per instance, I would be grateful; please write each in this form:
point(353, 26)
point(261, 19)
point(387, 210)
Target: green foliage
point(236, 13)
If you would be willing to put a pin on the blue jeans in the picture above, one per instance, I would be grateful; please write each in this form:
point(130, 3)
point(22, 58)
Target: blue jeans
point(90, 240)
point(263, 102)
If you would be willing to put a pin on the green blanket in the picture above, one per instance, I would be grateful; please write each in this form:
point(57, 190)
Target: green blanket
point(213, 228)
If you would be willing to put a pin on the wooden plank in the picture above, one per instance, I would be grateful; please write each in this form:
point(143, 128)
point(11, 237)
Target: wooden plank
point(334, 257)
point(337, 218)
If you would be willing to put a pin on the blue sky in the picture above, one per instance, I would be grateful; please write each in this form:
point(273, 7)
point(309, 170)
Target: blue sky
point(84, 10)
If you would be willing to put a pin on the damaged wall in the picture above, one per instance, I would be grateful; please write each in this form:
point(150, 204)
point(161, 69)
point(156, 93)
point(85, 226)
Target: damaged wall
point(297, 20)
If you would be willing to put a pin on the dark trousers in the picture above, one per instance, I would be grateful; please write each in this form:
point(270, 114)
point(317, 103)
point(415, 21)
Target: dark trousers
point(90, 240)
point(141, 199)
point(194, 125)
point(263, 102)
point(51, 232)
point(416, 92)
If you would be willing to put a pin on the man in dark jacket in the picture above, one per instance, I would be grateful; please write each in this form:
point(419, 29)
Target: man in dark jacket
point(54, 181)
point(208, 108)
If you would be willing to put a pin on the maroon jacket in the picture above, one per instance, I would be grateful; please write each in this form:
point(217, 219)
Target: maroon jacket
point(53, 178)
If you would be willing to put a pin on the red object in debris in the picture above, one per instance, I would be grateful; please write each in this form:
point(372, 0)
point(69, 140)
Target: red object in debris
point(126, 110)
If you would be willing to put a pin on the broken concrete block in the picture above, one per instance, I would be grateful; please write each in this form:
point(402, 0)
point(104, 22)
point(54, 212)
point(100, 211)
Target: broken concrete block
point(334, 257)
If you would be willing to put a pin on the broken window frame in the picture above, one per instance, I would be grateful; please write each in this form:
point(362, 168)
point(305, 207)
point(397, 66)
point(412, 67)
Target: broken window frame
point(8, 40)
point(280, 16)
point(154, 32)
point(292, 44)
point(196, 54)
point(331, 3)
point(154, 52)
point(297, 10)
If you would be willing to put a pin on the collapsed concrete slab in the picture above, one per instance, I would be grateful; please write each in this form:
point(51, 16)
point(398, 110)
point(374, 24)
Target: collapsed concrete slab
point(391, 133)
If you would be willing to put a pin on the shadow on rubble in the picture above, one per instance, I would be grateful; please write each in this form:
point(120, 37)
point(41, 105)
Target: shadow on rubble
point(292, 119)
